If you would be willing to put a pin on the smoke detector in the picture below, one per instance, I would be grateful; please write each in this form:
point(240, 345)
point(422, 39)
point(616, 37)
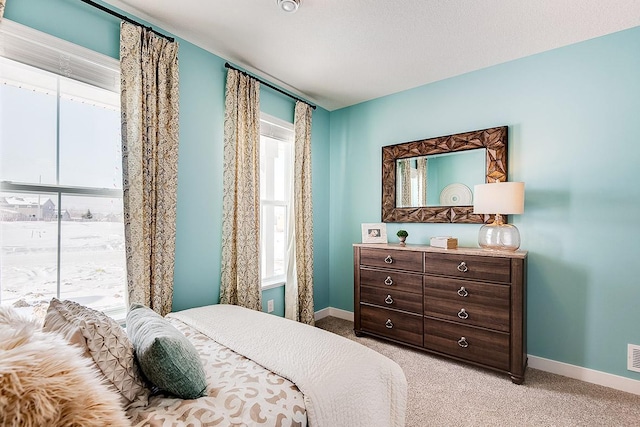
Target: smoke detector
point(289, 6)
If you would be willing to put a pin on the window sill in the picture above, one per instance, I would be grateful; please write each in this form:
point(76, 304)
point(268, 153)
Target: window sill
point(271, 284)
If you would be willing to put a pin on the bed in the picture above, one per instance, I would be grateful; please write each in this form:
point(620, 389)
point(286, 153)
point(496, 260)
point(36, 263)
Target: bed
point(239, 392)
point(259, 370)
point(266, 370)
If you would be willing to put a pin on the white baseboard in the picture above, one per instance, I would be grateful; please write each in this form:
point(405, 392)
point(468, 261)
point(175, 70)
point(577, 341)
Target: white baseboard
point(572, 371)
point(585, 374)
point(334, 312)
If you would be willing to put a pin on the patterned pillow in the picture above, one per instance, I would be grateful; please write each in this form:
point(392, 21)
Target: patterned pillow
point(105, 342)
point(167, 358)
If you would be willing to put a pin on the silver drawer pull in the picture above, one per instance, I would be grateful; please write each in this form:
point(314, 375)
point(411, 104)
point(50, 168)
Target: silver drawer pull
point(462, 292)
point(388, 281)
point(463, 314)
point(389, 324)
point(388, 299)
point(463, 267)
point(462, 342)
point(388, 259)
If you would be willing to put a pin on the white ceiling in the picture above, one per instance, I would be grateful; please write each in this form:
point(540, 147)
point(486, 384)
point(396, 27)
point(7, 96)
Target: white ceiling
point(337, 53)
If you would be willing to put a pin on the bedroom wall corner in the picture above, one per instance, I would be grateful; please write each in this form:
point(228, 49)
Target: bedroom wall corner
point(572, 117)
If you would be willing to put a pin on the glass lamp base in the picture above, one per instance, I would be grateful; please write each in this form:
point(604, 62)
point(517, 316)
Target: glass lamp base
point(497, 236)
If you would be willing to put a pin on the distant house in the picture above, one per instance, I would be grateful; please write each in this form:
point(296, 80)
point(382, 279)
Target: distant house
point(64, 215)
point(27, 208)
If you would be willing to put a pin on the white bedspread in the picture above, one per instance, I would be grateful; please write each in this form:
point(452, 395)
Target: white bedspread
point(344, 383)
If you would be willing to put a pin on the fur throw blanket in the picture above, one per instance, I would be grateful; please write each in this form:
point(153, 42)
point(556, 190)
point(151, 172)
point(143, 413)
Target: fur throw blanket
point(44, 381)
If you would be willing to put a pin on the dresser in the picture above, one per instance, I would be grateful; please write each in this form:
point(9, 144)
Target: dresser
point(467, 304)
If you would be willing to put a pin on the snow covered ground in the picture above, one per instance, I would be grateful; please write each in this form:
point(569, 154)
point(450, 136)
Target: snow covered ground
point(92, 264)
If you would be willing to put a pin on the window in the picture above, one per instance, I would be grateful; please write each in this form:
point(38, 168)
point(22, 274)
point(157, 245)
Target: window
point(61, 211)
point(276, 149)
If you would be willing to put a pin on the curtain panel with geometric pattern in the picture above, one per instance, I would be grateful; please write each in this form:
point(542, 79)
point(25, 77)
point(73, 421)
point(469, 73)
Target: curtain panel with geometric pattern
point(299, 285)
point(240, 282)
point(150, 105)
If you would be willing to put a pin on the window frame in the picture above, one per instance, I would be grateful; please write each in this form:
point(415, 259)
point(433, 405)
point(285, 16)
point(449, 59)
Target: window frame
point(43, 51)
point(280, 130)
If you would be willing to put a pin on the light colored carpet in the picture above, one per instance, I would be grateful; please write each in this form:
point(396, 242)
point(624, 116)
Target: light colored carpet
point(447, 393)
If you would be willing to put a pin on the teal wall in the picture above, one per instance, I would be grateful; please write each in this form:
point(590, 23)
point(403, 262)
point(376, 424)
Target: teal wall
point(573, 139)
point(199, 216)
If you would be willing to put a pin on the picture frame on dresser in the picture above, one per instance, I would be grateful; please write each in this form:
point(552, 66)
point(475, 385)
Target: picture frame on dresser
point(374, 232)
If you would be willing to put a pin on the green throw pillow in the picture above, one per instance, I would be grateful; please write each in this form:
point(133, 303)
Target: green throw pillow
point(165, 355)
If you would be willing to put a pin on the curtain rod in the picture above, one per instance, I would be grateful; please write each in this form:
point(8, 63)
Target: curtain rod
point(227, 65)
point(124, 18)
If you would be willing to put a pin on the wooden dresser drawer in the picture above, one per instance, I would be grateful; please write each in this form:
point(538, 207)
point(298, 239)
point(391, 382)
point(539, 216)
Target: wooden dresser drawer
point(389, 258)
point(468, 302)
point(490, 269)
point(392, 324)
point(392, 299)
point(391, 280)
point(474, 344)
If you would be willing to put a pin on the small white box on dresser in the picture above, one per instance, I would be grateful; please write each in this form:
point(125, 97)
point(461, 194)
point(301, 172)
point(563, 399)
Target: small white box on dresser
point(445, 242)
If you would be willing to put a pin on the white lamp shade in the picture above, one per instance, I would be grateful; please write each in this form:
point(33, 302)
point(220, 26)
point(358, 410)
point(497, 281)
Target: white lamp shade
point(503, 198)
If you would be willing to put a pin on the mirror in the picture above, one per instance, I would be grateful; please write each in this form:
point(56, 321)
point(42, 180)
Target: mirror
point(450, 177)
point(431, 180)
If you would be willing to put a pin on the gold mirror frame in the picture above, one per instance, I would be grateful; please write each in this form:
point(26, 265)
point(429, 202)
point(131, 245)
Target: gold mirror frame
point(493, 139)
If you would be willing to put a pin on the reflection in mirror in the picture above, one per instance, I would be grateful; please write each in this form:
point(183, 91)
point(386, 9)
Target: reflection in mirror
point(439, 180)
point(411, 182)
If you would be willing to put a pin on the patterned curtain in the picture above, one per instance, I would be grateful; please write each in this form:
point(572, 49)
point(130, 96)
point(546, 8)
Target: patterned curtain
point(422, 181)
point(405, 168)
point(240, 272)
point(1, 9)
point(149, 86)
point(299, 286)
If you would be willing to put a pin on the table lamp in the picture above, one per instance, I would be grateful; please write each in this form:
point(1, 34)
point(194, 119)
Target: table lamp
point(499, 198)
